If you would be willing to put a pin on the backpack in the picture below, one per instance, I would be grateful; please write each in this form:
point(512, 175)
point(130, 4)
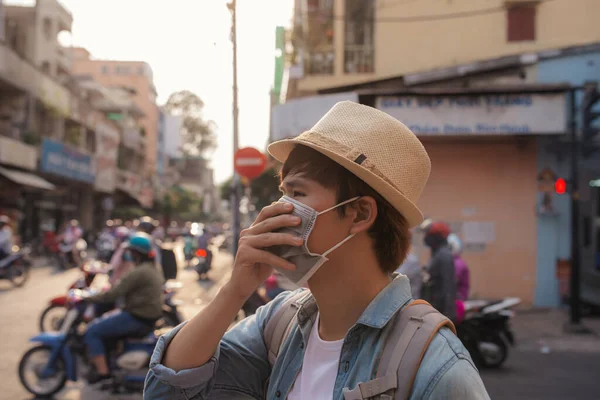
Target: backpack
point(410, 332)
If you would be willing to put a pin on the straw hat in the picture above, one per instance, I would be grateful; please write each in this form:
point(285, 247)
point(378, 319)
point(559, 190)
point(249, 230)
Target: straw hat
point(375, 147)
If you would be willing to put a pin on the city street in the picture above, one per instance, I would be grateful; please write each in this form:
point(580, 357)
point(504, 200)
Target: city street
point(20, 311)
point(546, 365)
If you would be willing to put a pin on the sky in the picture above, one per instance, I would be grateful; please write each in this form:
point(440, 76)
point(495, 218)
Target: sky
point(187, 44)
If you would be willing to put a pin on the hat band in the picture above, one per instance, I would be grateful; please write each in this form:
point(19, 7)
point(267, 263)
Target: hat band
point(355, 156)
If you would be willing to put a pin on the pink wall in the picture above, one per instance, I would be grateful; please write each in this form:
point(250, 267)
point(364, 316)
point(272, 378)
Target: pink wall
point(492, 180)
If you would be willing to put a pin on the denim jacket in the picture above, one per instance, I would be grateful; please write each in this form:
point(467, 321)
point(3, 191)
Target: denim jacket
point(240, 368)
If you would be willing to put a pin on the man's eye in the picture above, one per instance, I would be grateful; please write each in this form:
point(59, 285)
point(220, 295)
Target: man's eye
point(296, 193)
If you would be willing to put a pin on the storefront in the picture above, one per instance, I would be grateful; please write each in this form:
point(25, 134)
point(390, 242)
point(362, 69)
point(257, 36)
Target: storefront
point(483, 150)
point(73, 173)
point(20, 186)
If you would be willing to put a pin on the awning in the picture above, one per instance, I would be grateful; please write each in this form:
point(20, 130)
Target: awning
point(26, 179)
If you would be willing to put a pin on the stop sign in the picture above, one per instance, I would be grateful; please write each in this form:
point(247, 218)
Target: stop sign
point(249, 162)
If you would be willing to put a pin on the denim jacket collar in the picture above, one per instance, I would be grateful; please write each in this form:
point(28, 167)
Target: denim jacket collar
point(378, 313)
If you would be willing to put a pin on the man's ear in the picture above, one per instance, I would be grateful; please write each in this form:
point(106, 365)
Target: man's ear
point(365, 213)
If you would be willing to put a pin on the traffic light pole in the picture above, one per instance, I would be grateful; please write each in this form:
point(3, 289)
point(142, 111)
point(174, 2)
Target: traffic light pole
point(575, 301)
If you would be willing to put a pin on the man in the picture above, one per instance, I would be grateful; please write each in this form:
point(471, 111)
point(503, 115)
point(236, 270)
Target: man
point(350, 186)
point(441, 286)
point(411, 267)
point(6, 237)
point(142, 291)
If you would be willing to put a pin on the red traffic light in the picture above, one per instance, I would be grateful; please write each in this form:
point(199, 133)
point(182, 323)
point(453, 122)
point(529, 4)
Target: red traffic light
point(560, 186)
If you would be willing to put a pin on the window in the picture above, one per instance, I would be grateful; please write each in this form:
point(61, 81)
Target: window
point(317, 37)
point(520, 23)
point(359, 29)
point(105, 70)
point(47, 26)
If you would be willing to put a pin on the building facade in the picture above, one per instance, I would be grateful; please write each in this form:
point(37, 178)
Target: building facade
point(486, 106)
point(136, 78)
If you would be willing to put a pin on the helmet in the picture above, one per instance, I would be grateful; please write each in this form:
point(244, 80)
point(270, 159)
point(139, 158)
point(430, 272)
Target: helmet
point(4, 220)
point(121, 232)
point(145, 224)
point(439, 228)
point(74, 222)
point(455, 244)
point(141, 242)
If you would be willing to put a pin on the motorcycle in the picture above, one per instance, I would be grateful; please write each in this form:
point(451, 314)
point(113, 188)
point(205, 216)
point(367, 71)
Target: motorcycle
point(485, 330)
point(15, 267)
point(53, 316)
point(45, 368)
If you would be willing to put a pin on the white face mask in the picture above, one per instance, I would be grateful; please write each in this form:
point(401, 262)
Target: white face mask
point(306, 262)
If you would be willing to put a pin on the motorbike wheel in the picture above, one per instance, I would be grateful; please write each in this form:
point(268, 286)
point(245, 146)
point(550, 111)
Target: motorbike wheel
point(496, 356)
point(41, 387)
point(19, 274)
point(50, 321)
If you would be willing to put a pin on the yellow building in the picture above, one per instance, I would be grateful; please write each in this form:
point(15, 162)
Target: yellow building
point(345, 42)
point(480, 83)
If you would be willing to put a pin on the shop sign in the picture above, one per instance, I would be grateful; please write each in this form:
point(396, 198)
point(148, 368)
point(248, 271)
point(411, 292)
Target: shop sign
point(497, 114)
point(14, 152)
point(60, 160)
point(296, 116)
point(107, 148)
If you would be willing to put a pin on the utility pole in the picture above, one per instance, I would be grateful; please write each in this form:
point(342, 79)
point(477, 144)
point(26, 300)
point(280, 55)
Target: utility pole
point(235, 192)
point(575, 302)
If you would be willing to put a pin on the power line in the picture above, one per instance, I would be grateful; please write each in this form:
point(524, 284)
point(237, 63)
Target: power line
point(424, 18)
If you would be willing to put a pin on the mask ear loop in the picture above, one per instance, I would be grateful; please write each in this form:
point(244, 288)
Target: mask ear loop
point(343, 241)
point(339, 205)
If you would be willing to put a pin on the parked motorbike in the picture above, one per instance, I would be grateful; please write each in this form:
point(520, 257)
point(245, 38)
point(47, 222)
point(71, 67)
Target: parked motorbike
point(53, 316)
point(45, 368)
point(485, 330)
point(15, 267)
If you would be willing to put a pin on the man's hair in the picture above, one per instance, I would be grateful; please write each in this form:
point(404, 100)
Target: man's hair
point(390, 233)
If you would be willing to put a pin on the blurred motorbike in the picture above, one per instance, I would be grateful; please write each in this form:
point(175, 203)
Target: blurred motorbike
point(485, 330)
point(53, 316)
point(61, 356)
point(15, 267)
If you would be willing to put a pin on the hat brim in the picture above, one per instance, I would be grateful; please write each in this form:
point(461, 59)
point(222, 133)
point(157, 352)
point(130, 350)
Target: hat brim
point(281, 150)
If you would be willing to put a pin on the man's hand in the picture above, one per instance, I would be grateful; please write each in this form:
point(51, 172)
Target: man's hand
point(253, 264)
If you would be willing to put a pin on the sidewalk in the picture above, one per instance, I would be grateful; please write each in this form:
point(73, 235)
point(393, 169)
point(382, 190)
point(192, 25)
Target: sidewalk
point(543, 330)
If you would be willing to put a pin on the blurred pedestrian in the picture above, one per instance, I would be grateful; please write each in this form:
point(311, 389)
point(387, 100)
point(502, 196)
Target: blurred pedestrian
point(411, 267)
point(441, 283)
point(6, 237)
point(460, 268)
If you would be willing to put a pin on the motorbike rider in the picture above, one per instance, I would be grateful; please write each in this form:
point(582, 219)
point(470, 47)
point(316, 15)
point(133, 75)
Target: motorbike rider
point(142, 291)
point(440, 287)
point(6, 237)
point(70, 237)
point(148, 225)
point(203, 243)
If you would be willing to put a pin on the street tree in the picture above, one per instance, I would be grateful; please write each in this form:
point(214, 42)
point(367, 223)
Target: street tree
point(198, 134)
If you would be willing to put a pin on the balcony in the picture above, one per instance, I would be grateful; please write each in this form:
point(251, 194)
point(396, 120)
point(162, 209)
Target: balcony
point(63, 59)
point(16, 71)
point(320, 63)
point(359, 59)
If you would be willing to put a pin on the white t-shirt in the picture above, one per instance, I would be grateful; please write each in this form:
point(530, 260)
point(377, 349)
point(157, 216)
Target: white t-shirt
point(319, 369)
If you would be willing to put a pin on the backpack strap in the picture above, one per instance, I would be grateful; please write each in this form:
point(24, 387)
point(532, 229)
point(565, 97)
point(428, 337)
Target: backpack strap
point(413, 329)
point(279, 325)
